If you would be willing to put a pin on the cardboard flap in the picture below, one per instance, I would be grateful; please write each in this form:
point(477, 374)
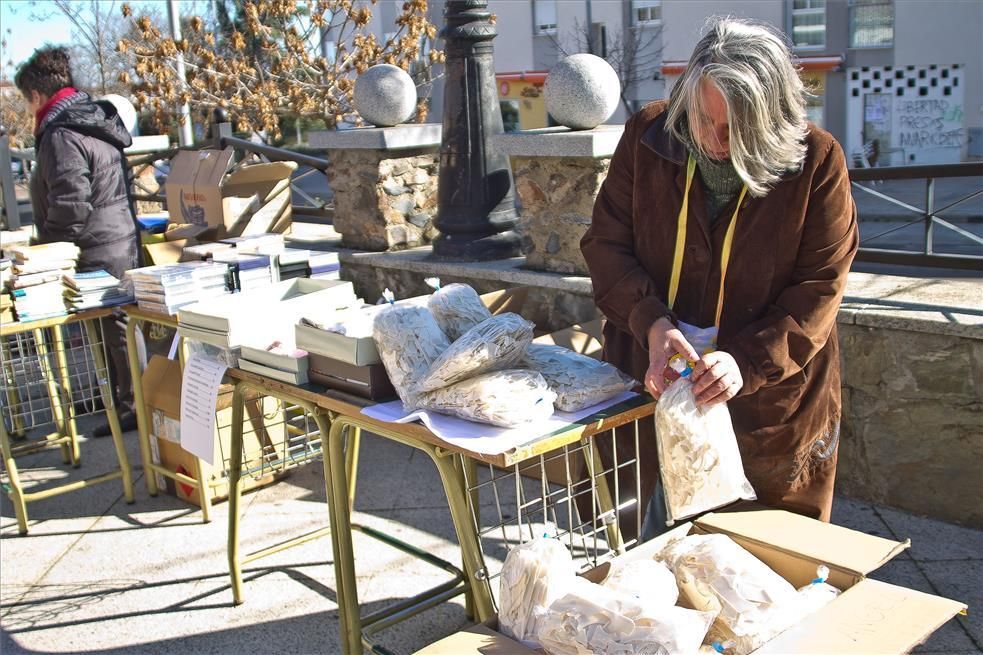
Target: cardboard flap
point(838, 547)
point(870, 617)
point(254, 173)
point(506, 300)
point(212, 166)
point(478, 639)
point(184, 167)
point(162, 385)
point(583, 338)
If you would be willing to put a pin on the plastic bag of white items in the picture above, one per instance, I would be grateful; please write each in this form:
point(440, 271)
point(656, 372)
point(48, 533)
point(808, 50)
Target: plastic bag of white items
point(457, 308)
point(503, 398)
point(649, 581)
point(534, 575)
point(493, 345)
point(698, 455)
point(408, 341)
point(579, 381)
point(591, 619)
point(818, 593)
point(752, 602)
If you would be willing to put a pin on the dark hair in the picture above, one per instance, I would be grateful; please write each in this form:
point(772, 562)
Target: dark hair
point(47, 71)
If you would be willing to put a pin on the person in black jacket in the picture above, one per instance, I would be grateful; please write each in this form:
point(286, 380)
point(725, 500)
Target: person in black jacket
point(80, 190)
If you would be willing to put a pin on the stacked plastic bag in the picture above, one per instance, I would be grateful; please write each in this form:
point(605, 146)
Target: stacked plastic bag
point(534, 575)
point(454, 357)
point(698, 455)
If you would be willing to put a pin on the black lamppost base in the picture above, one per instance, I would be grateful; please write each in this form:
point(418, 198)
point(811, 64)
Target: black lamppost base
point(476, 247)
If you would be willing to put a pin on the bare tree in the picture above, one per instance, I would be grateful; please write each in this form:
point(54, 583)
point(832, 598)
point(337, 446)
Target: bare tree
point(635, 53)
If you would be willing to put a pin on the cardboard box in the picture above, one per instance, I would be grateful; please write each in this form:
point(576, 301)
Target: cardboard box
point(166, 252)
point(370, 381)
point(868, 617)
point(264, 430)
point(251, 200)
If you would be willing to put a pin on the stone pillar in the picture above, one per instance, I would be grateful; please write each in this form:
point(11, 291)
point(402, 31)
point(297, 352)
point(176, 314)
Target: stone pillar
point(476, 206)
point(384, 181)
point(558, 173)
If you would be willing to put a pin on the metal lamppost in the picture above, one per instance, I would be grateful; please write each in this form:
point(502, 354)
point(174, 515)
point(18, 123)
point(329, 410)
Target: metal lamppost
point(475, 204)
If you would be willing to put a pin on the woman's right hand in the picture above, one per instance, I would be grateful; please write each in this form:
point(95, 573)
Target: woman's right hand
point(665, 340)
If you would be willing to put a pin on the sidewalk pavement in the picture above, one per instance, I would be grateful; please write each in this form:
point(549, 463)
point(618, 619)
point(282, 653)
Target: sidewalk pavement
point(96, 575)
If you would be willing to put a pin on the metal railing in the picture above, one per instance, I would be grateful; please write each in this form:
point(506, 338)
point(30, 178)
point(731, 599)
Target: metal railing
point(928, 216)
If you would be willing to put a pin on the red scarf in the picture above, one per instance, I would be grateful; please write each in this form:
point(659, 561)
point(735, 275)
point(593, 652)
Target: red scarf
point(61, 94)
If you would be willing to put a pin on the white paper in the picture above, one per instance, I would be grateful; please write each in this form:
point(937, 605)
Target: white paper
point(199, 391)
point(482, 438)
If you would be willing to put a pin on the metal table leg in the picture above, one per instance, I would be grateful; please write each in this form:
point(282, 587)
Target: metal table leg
point(140, 408)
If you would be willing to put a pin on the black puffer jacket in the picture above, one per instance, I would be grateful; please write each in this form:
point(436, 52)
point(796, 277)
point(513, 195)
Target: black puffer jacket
point(80, 192)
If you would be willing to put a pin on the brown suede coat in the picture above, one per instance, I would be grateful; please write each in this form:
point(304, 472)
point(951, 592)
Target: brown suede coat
point(791, 253)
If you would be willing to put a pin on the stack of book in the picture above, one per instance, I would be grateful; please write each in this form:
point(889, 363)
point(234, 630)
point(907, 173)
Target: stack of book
point(36, 286)
point(6, 302)
point(279, 360)
point(165, 288)
point(253, 243)
point(246, 272)
point(324, 266)
point(94, 289)
point(205, 251)
point(289, 263)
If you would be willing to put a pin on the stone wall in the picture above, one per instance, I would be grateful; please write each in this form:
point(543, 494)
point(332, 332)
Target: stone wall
point(557, 195)
point(145, 182)
point(912, 431)
point(383, 201)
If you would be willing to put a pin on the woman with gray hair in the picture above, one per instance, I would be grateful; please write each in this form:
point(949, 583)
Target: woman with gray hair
point(724, 209)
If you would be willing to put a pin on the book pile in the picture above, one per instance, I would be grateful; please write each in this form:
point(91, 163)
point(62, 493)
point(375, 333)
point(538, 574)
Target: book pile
point(36, 285)
point(246, 271)
point(292, 263)
point(165, 288)
point(324, 266)
point(94, 289)
point(279, 360)
point(6, 302)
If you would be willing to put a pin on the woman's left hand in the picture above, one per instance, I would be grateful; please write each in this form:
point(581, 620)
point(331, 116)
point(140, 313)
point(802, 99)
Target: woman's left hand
point(716, 378)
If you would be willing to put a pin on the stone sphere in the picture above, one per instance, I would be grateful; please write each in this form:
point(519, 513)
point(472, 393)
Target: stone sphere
point(582, 91)
point(385, 95)
point(125, 109)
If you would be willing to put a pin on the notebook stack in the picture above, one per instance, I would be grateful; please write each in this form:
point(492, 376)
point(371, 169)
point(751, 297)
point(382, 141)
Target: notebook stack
point(324, 266)
point(166, 288)
point(292, 263)
point(94, 289)
point(36, 285)
point(6, 302)
point(246, 271)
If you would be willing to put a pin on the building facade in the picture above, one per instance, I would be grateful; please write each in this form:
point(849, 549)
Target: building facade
point(895, 81)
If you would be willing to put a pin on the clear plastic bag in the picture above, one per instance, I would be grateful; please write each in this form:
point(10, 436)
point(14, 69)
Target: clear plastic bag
point(409, 341)
point(534, 575)
point(591, 619)
point(752, 602)
point(493, 345)
point(457, 308)
point(698, 456)
point(578, 381)
point(649, 581)
point(502, 398)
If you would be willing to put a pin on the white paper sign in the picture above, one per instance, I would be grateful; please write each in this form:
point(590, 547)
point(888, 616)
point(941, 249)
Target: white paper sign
point(199, 391)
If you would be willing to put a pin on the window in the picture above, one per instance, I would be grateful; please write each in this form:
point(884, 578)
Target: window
point(544, 15)
point(510, 115)
point(646, 11)
point(808, 23)
point(871, 23)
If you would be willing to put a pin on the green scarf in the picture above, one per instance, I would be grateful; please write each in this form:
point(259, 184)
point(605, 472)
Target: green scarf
point(721, 183)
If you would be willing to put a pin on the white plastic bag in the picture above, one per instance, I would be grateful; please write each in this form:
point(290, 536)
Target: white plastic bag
point(457, 308)
point(698, 456)
point(409, 341)
point(495, 344)
point(579, 381)
point(649, 581)
point(503, 398)
point(534, 575)
point(591, 619)
point(752, 602)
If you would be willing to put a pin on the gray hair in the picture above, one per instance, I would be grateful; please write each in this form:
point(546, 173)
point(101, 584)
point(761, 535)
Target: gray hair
point(751, 65)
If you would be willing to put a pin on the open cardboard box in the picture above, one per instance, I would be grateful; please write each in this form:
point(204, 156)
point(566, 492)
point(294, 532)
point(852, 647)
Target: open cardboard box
point(868, 617)
point(263, 429)
point(252, 200)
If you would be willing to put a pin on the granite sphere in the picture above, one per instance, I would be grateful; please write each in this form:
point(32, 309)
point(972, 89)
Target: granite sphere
point(385, 95)
point(582, 91)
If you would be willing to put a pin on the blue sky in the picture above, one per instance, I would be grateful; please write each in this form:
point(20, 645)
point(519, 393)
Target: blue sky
point(26, 35)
